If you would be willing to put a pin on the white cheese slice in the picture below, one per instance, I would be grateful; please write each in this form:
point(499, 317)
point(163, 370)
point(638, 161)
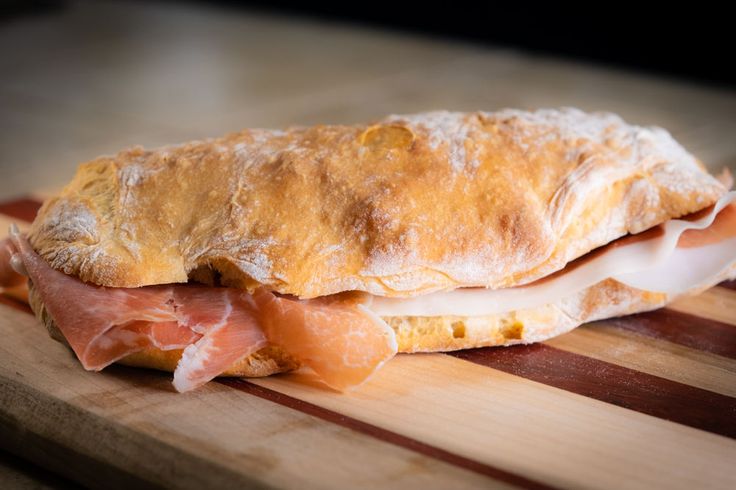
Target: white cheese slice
point(655, 264)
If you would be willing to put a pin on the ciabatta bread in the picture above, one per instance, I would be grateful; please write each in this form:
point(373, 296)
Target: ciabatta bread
point(400, 207)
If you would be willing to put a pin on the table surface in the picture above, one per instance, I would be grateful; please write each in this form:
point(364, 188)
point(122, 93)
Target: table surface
point(95, 78)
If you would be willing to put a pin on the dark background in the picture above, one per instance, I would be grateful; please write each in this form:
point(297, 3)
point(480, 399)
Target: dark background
point(692, 40)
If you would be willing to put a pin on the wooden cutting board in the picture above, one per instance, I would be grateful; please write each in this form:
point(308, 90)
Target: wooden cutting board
point(646, 401)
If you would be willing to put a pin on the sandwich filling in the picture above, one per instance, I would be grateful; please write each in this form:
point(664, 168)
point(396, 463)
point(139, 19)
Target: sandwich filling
point(335, 336)
point(342, 337)
point(678, 255)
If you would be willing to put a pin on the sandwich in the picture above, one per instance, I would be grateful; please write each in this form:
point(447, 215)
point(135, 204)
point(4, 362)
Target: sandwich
point(332, 248)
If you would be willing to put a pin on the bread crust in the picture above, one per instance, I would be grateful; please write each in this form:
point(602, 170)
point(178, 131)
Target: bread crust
point(404, 206)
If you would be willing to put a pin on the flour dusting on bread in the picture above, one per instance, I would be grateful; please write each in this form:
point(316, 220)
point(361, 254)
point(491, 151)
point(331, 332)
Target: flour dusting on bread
point(399, 207)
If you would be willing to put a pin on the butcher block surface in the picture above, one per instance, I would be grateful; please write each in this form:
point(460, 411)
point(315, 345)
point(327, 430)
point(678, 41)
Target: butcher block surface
point(642, 401)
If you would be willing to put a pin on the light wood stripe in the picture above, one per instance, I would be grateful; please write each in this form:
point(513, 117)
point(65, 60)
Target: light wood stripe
point(526, 427)
point(381, 434)
point(131, 420)
point(650, 355)
point(683, 329)
point(716, 303)
point(613, 384)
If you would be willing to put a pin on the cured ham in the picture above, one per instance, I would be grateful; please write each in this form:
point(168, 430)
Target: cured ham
point(121, 340)
point(679, 255)
point(229, 323)
point(317, 330)
point(216, 327)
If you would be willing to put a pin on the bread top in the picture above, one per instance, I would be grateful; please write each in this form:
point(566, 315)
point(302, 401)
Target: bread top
point(404, 206)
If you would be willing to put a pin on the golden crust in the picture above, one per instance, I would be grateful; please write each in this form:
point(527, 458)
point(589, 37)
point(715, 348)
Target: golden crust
point(405, 206)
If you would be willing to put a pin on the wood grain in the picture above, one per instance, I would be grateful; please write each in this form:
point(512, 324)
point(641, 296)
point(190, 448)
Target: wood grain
point(717, 304)
point(445, 402)
point(379, 433)
point(529, 428)
point(683, 329)
point(20, 474)
point(658, 357)
point(127, 424)
point(614, 384)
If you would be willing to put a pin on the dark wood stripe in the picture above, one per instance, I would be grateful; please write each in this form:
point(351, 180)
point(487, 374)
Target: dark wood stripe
point(22, 209)
point(381, 434)
point(729, 284)
point(617, 385)
point(681, 328)
point(14, 303)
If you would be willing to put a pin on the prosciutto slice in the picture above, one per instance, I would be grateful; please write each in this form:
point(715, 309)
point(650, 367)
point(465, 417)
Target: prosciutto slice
point(229, 322)
point(215, 326)
point(316, 330)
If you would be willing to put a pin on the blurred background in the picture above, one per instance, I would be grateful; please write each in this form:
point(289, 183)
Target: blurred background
point(83, 78)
